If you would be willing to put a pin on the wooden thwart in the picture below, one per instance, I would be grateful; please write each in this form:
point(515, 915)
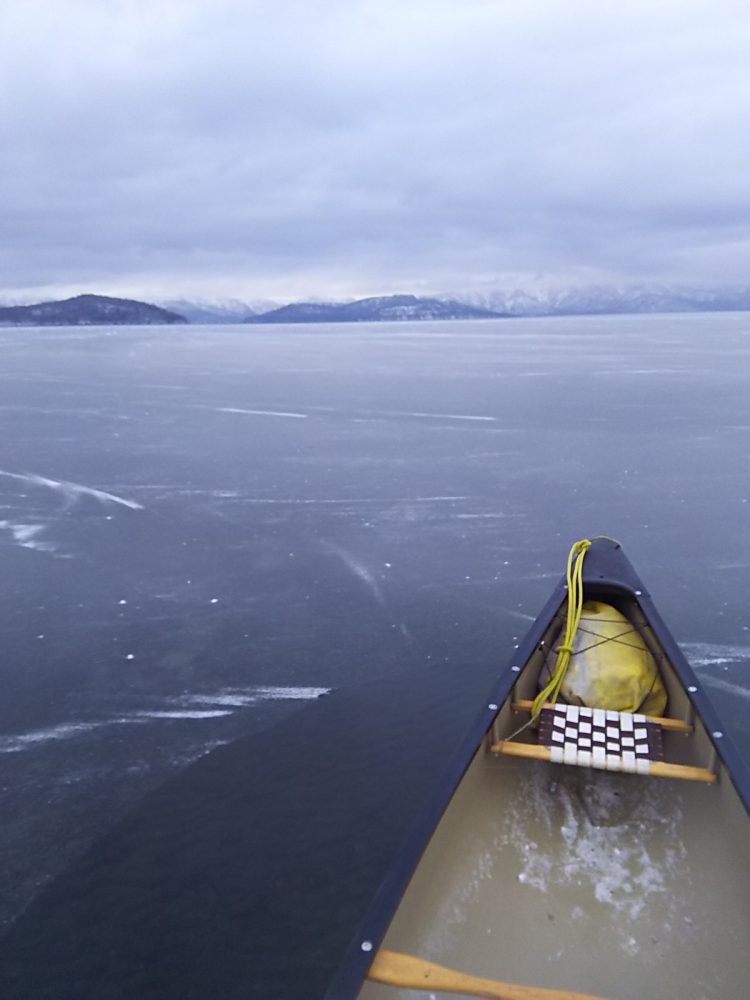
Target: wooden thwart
point(657, 768)
point(677, 725)
point(409, 972)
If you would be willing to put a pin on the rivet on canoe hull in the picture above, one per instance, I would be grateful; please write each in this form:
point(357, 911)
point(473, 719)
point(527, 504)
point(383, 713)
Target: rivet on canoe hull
point(366, 946)
point(492, 707)
point(692, 688)
point(718, 734)
point(516, 670)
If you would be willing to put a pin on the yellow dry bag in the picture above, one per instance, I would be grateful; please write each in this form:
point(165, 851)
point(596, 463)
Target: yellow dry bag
point(610, 666)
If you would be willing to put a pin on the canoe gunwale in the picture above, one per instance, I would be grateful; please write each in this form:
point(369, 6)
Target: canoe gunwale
point(607, 571)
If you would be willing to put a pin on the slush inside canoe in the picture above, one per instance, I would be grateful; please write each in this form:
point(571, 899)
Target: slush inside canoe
point(582, 879)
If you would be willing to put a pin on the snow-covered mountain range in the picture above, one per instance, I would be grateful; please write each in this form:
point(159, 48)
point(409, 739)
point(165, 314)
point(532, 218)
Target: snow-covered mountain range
point(493, 303)
point(218, 310)
point(609, 299)
point(391, 308)
point(562, 301)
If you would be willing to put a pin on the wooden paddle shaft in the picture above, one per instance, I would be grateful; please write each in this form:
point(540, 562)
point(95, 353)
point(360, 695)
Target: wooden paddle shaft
point(409, 972)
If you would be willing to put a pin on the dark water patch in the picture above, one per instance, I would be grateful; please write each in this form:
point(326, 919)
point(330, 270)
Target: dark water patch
point(247, 874)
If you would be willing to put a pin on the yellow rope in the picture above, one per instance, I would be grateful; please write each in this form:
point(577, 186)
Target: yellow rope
point(574, 576)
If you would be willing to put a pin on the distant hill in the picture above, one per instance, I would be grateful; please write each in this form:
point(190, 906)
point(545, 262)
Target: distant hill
point(390, 308)
point(87, 310)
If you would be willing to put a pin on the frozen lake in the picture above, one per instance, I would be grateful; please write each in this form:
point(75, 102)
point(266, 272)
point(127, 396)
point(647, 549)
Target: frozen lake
point(204, 529)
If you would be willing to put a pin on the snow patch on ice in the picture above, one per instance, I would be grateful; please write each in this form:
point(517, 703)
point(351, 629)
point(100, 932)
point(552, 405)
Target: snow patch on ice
point(242, 697)
point(175, 714)
point(709, 654)
point(63, 731)
point(25, 535)
point(261, 413)
point(438, 416)
point(188, 707)
point(71, 491)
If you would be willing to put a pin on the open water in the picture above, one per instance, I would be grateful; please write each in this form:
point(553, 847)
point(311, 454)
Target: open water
point(308, 550)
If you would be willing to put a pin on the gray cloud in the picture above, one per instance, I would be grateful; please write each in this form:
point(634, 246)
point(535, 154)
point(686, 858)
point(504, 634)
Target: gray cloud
point(291, 148)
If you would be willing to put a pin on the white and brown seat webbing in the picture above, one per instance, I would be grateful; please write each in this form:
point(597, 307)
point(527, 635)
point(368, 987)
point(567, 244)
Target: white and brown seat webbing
point(601, 738)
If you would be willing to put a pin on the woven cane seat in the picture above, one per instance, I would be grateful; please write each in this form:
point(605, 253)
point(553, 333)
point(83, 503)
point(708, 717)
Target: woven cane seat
point(601, 738)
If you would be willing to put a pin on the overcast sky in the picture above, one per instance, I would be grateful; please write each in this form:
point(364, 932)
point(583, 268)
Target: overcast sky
point(335, 148)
